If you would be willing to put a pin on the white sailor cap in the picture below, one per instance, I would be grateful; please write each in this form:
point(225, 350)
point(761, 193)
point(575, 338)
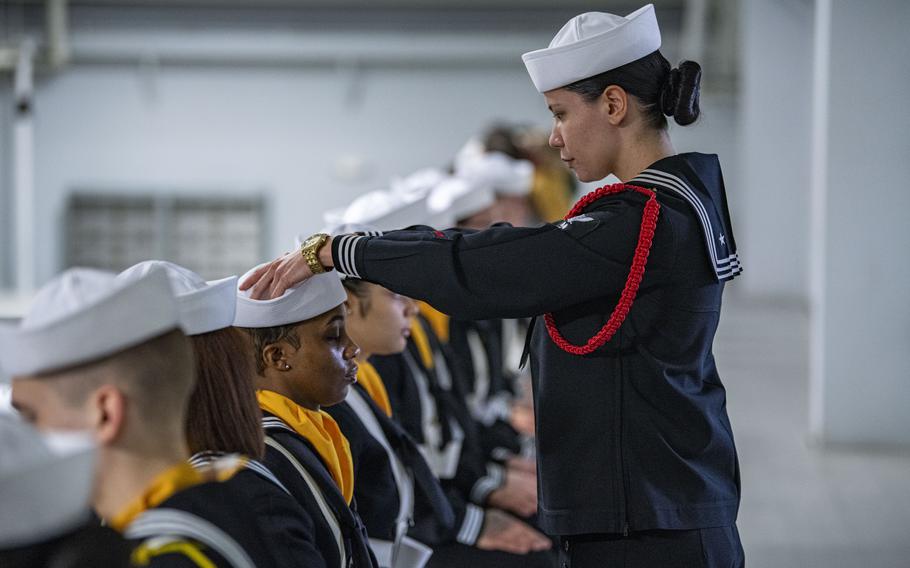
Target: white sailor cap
point(593, 43)
point(203, 306)
point(386, 210)
point(315, 296)
point(331, 218)
point(506, 175)
point(417, 184)
point(422, 183)
point(439, 219)
point(83, 315)
point(45, 490)
point(461, 198)
point(347, 228)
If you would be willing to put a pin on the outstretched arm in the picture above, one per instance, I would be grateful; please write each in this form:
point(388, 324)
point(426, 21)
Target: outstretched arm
point(500, 272)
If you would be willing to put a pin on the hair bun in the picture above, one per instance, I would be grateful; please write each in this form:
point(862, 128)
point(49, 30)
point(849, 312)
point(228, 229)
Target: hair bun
point(679, 96)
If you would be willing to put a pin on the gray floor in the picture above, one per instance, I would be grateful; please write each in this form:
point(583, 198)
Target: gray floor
point(803, 506)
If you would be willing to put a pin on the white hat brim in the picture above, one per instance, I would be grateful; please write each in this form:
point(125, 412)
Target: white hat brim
point(471, 203)
point(133, 312)
point(209, 309)
point(314, 297)
point(554, 67)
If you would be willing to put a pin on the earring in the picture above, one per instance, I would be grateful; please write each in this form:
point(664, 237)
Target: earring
point(286, 367)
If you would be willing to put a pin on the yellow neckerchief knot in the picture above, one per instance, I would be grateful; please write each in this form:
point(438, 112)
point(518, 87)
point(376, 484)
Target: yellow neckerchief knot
point(369, 378)
point(321, 431)
point(164, 485)
point(148, 551)
point(438, 320)
point(422, 341)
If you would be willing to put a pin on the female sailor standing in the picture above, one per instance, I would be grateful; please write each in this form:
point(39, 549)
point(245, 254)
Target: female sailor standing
point(636, 455)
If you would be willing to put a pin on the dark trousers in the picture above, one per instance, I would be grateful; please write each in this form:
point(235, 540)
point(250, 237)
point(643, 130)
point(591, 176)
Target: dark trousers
point(702, 548)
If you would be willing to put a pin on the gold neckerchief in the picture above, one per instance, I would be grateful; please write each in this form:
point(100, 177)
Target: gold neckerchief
point(438, 320)
point(172, 480)
point(419, 335)
point(369, 378)
point(321, 431)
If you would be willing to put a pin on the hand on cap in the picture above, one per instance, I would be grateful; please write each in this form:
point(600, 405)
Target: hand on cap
point(273, 279)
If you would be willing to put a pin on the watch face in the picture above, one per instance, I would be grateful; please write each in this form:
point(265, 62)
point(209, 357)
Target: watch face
point(312, 240)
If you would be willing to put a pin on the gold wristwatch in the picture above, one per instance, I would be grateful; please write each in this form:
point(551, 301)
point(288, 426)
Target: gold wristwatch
point(310, 252)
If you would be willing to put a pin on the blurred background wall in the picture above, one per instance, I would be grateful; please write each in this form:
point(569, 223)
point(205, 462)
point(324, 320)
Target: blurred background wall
point(861, 234)
point(776, 125)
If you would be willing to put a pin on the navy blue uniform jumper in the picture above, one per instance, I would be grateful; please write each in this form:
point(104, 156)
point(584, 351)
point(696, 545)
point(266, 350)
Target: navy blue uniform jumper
point(288, 526)
point(284, 447)
point(375, 489)
point(634, 436)
point(215, 518)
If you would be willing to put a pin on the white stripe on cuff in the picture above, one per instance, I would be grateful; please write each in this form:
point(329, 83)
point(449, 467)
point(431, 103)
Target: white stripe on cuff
point(485, 485)
point(470, 527)
point(346, 261)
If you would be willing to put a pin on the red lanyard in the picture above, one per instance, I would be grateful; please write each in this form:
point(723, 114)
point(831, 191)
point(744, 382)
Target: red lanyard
point(636, 272)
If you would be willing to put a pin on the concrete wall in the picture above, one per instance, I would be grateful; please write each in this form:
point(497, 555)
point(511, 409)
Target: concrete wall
point(287, 134)
point(149, 111)
point(775, 119)
point(861, 315)
point(6, 204)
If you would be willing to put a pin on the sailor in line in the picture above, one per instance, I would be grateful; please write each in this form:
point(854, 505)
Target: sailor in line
point(304, 360)
point(431, 402)
point(106, 357)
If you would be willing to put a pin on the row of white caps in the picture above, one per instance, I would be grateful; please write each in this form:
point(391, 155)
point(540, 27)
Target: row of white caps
point(435, 198)
point(84, 314)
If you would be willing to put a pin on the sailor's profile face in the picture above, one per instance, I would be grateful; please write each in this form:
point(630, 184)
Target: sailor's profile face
point(323, 368)
point(583, 133)
point(380, 322)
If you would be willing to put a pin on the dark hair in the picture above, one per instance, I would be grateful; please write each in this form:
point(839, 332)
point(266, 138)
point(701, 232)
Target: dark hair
point(359, 288)
point(262, 336)
point(502, 138)
point(223, 413)
point(659, 89)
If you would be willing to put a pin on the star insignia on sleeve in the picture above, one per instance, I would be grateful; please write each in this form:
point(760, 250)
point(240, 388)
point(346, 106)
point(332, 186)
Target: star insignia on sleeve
point(722, 239)
point(577, 219)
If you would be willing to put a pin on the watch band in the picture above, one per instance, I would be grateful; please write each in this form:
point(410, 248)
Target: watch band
point(310, 252)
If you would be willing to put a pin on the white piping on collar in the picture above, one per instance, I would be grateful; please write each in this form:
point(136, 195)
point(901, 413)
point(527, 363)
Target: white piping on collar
point(724, 268)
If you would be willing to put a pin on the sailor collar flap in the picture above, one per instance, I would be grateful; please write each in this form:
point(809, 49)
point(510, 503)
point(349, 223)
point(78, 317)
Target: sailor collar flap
point(715, 225)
